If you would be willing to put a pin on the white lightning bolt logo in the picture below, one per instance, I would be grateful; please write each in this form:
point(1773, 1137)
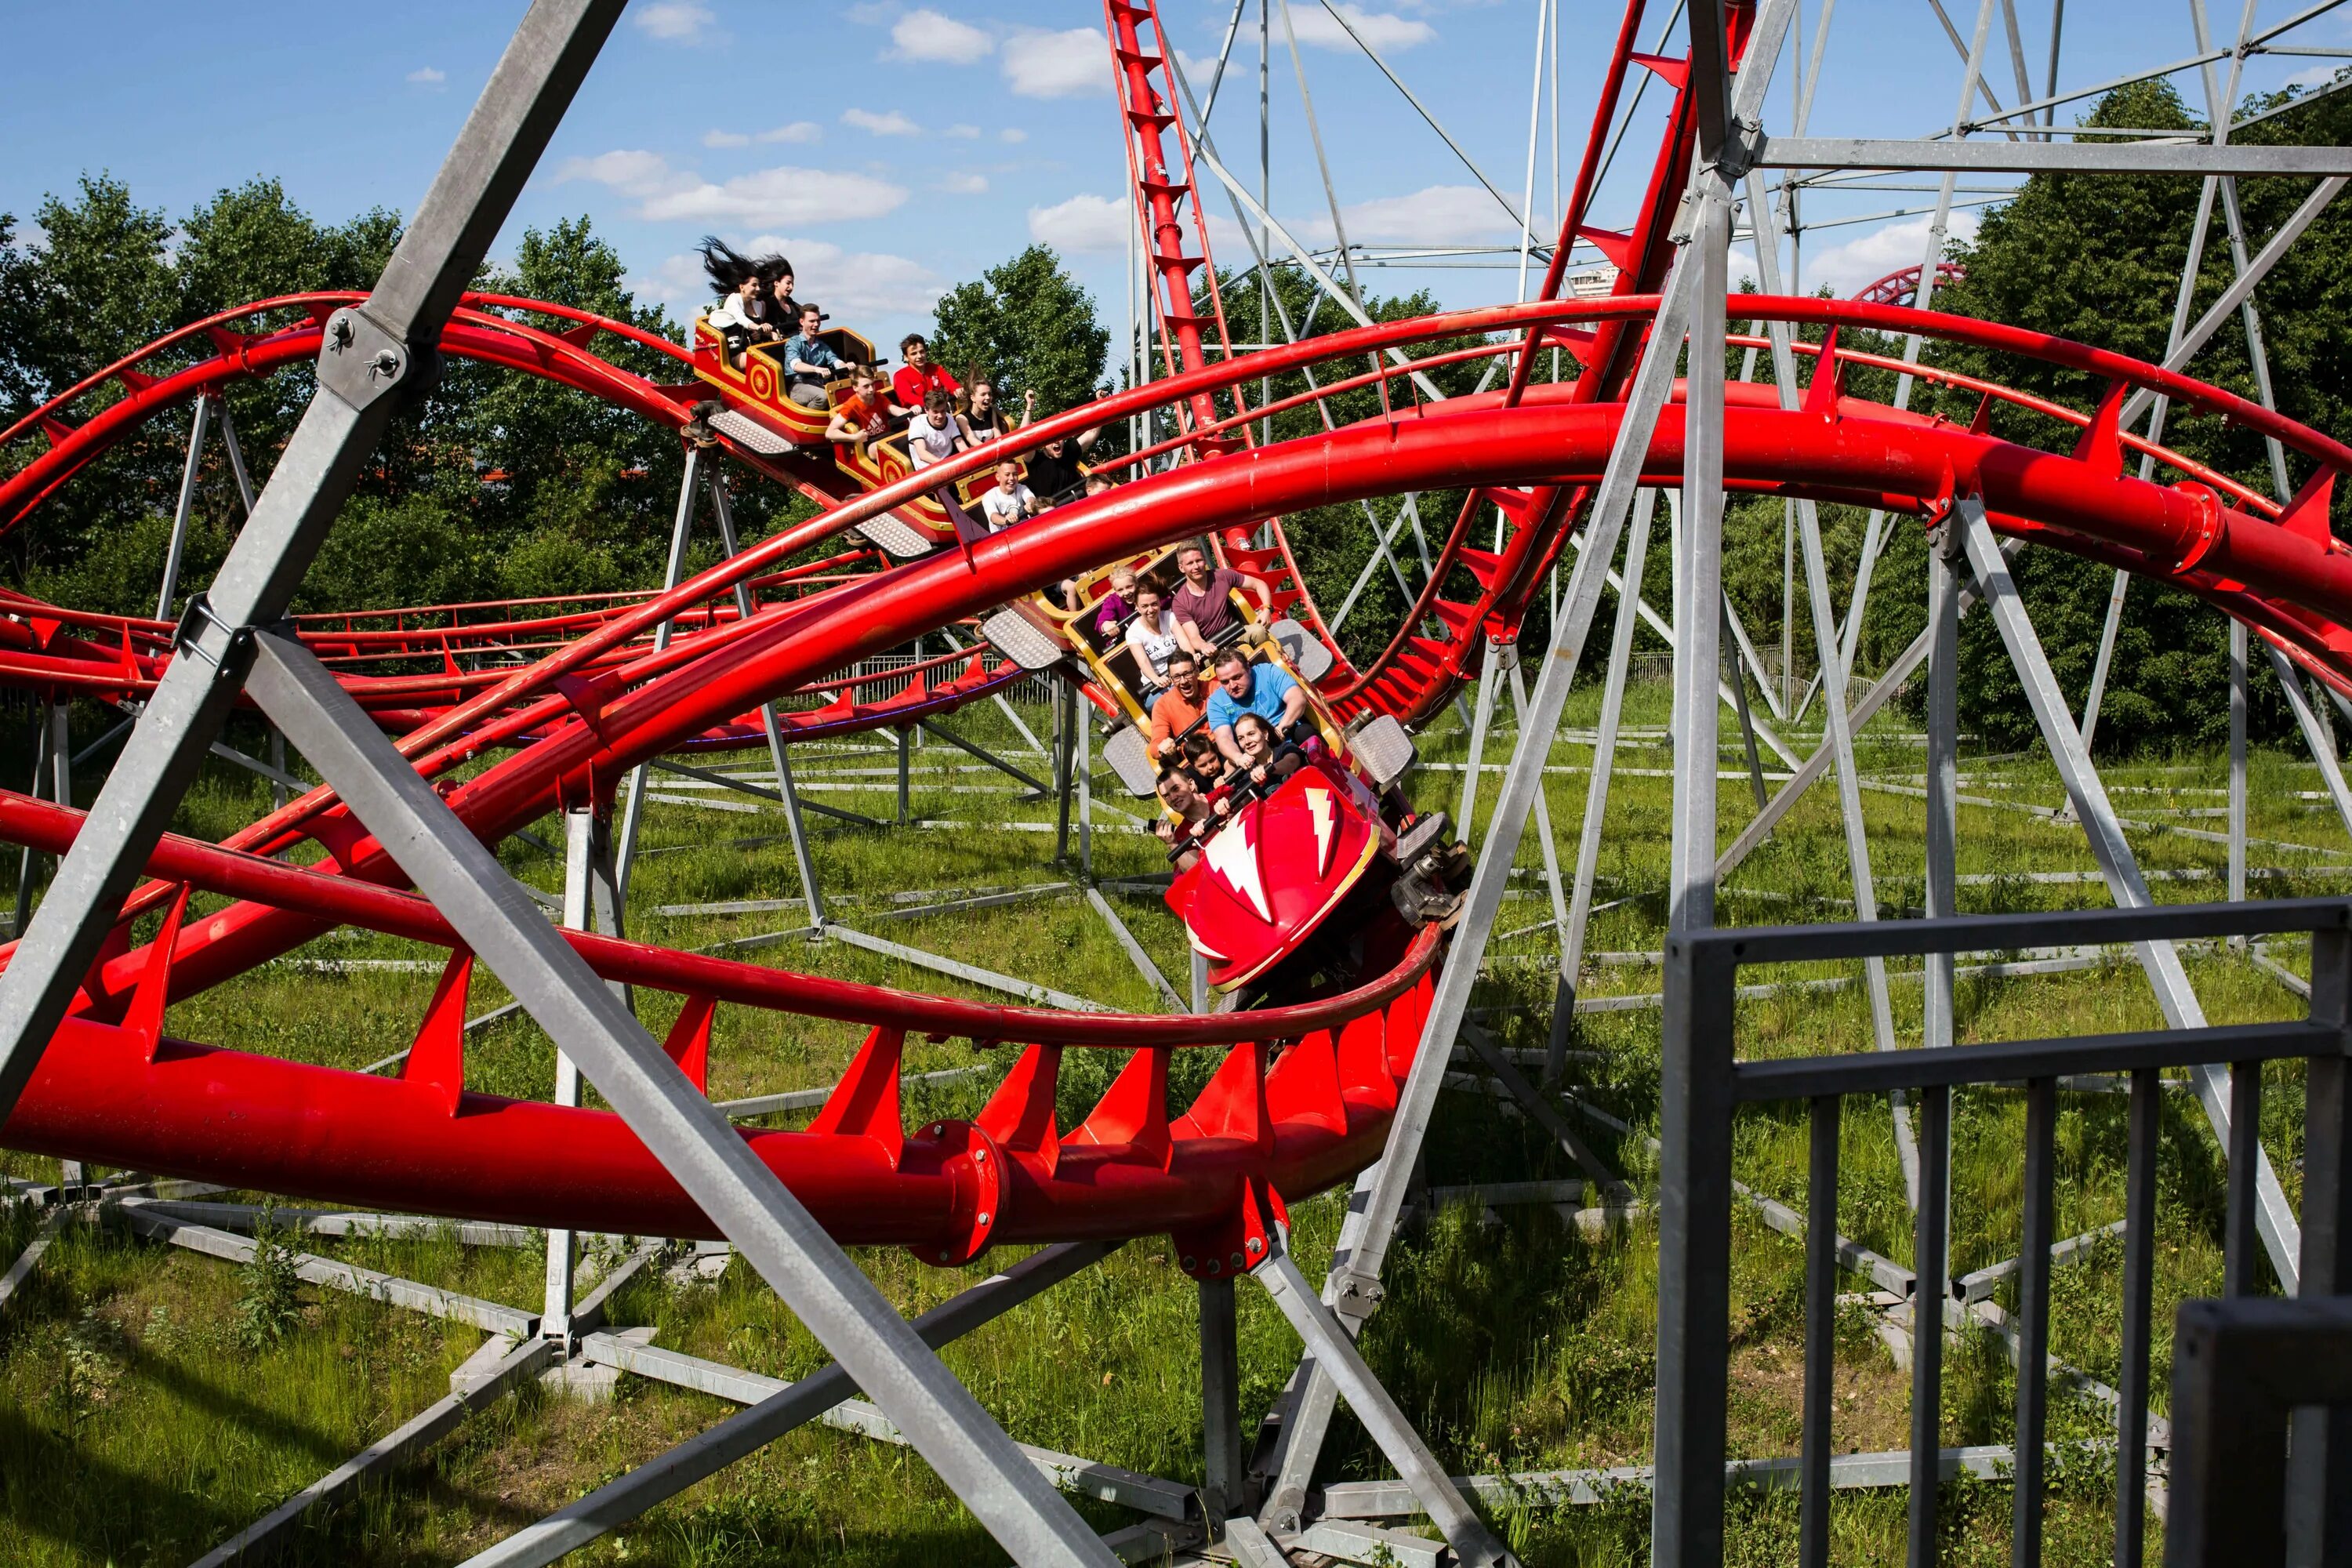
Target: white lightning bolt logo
point(1318, 802)
point(1230, 857)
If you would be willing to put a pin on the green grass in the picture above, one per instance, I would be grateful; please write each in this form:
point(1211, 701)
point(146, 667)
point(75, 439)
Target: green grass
point(136, 1428)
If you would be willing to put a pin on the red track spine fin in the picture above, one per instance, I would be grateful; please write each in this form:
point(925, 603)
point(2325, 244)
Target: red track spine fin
point(1305, 1084)
point(688, 1044)
point(438, 1058)
point(1135, 1110)
point(865, 1103)
point(2102, 442)
point(1821, 392)
point(2306, 514)
point(1233, 1104)
point(1363, 1058)
point(145, 1018)
point(1020, 1115)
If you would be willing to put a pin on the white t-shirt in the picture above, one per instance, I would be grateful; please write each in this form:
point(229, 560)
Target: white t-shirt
point(1153, 645)
point(935, 441)
point(1005, 508)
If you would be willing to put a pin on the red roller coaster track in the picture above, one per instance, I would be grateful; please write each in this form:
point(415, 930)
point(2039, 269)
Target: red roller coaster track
point(113, 1087)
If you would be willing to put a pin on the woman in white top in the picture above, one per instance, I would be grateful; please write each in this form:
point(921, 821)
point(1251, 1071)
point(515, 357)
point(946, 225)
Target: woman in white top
point(740, 315)
point(1151, 636)
point(938, 432)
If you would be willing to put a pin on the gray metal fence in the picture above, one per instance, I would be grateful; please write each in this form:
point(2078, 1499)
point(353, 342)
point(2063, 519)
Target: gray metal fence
point(1704, 1084)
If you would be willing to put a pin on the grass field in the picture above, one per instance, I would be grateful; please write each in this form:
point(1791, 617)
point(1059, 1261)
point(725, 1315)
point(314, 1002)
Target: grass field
point(144, 1417)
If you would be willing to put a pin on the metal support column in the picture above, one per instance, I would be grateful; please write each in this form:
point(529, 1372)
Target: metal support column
point(632, 789)
point(1335, 1350)
point(1945, 558)
point(2238, 651)
point(2117, 866)
point(1221, 1406)
point(185, 510)
point(1563, 1000)
point(803, 859)
point(1483, 715)
point(592, 901)
point(1604, 759)
point(1684, 302)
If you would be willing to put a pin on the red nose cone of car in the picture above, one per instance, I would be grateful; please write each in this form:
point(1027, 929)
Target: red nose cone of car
point(1268, 878)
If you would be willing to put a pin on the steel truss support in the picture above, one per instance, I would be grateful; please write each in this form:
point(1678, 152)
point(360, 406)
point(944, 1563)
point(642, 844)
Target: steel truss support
point(802, 860)
point(1837, 726)
point(1604, 758)
point(1221, 1406)
point(693, 1139)
point(747, 1431)
point(1690, 303)
point(371, 351)
point(1334, 1349)
point(1490, 679)
point(1564, 992)
point(592, 901)
point(2173, 994)
point(231, 643)
point(695, 479)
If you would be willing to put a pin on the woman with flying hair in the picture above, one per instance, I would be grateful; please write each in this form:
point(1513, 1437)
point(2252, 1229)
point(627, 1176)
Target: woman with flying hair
point(741, 313)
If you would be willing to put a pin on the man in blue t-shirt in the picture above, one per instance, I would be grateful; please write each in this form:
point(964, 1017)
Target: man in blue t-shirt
point(1264, 689)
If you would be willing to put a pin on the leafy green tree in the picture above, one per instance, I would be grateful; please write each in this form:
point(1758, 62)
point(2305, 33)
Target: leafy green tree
point(1027, 325)
point(2098, 259)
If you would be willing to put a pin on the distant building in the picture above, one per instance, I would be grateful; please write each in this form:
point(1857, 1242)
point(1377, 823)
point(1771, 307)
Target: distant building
point(1593, 283)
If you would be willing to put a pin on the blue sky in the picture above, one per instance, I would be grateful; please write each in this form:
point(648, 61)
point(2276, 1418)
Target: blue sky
point(894, 149)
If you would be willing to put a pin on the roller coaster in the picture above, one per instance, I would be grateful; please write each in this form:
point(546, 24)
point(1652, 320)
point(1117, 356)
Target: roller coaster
point(568, 704)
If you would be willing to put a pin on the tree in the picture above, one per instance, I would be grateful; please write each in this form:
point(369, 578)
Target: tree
point(1028, 326)
point(2097, 257)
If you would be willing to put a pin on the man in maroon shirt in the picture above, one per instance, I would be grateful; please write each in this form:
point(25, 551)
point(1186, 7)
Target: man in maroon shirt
point(1203, 602)
point(919, 377)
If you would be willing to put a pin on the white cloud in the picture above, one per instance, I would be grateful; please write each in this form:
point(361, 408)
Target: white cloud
point(1084, 224)
point(966, 184)
point(1384, 31)
point(1099, 226)
point(425, 76)
point(925, 35)
point(632, 173)
point(889, 122)
point(798, 131)
point(764, 198)
point(1039, 64)
point(1437, 214)
point(1864, 259)
point(854, 286)
point(964, 133)
point(1012, 133)
point(725, 139)
point(675, 21)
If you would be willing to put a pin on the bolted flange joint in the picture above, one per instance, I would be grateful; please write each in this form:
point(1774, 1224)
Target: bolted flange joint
point(360, 361)
point(203, 635)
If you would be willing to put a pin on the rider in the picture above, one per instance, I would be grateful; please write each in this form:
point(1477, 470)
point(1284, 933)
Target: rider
point(1194, 814)
point(1178, 708)
point(810, 361)
point(1203, 603)
point(1264, 689)
point(1266, 760)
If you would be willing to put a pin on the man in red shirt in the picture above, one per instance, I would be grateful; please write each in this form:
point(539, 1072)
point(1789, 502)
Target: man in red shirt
point(919, 377)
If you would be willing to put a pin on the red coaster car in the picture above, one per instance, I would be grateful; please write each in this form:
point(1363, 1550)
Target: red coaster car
point(1268, 878)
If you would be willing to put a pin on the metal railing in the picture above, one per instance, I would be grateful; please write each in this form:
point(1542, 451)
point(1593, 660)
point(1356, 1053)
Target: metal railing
point(1704, 1085)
